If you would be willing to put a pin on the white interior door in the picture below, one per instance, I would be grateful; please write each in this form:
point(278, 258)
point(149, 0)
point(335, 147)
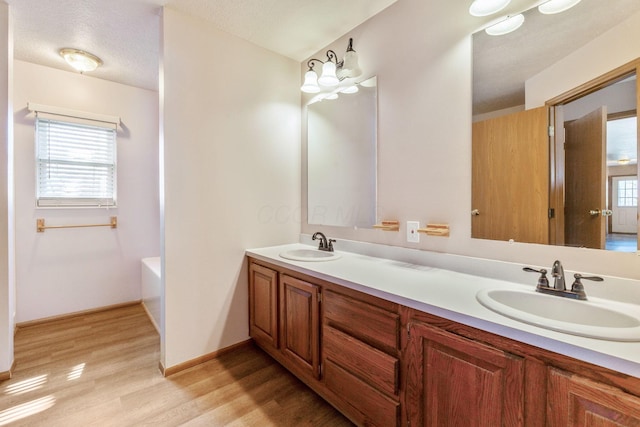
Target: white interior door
point(624, 218)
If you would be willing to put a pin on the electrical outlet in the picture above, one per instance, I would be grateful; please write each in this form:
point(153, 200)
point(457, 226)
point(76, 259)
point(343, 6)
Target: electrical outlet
point(412, 232)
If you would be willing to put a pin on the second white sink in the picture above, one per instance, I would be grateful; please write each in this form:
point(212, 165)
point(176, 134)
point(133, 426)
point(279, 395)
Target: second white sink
point(593, 319)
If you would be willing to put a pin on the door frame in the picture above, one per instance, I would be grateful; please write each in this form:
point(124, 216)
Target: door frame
point(556, 150)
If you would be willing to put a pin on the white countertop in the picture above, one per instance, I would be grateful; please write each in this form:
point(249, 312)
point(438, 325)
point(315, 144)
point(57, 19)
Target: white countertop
point(452, 295)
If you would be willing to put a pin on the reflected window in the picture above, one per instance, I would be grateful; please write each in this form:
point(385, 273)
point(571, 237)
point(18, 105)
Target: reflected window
point(627, 193)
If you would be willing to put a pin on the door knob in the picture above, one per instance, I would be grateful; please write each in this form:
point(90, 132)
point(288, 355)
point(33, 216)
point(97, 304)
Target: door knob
point(475, 212)
point(604, 212)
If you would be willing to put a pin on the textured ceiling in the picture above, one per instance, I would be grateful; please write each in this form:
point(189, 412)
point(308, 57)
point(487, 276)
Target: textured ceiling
point(125, 34)
point(502, 64)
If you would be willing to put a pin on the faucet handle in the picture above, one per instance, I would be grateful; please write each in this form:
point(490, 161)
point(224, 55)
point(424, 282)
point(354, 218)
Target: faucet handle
point(330, 244)
point(577, 286)
point(542, 280)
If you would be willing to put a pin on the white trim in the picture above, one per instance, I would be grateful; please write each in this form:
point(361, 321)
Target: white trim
point(59, 111)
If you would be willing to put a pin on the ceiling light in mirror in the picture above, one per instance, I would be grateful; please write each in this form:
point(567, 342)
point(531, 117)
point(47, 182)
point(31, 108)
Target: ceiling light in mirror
point(556, 6)
point(506, 26)
point(487, 7)
point(624, 161)
point(350, 89)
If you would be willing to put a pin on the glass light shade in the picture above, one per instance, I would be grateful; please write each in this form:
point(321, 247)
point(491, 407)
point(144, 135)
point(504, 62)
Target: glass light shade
point(557, 6)
point(332, 96)
point(487, 7)
point(350, 67)
point(328, 77)
point(80, 60)
point(310, 84)
point(624, 161)
point(510, 24)
point(350, 89)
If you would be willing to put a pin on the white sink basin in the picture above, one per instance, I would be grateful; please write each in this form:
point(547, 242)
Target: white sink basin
point(594, 318)
point(309, 255)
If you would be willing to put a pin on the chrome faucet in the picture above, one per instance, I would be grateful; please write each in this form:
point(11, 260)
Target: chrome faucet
point(559, 287)
point(325, 244)
point(557, 272)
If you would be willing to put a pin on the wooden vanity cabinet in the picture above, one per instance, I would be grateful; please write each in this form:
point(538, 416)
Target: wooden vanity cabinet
point(573, 401)
point(300, 323)
point(263, 305)
point(343, 344)
point(360, 355)
point(284, 319)
point(452, 380)
point(383, 364)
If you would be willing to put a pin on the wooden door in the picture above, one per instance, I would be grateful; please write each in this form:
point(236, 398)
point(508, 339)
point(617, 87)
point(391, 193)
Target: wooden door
point(585, 180)
point(574, 401)
point(300, 324)
point(510, 177)
point(263, 305)
point(454, 381)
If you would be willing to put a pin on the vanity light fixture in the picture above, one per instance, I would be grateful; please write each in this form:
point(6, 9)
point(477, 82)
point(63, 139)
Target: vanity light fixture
point(350, 89)
point(511, 23)
point(487, 7)
point(333, 71)
point(80, 60)
point(556, 6)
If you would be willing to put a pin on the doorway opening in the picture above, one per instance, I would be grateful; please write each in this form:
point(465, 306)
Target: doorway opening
point(594, 174)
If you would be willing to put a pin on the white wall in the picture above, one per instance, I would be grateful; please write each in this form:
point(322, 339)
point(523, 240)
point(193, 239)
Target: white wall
point(612, 49)
point(617, 98)
point(69, 270)
point(421, 52)
point(231, 124)
point(7, 273)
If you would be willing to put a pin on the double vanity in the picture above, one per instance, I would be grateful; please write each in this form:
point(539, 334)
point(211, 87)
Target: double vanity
point(394, 340)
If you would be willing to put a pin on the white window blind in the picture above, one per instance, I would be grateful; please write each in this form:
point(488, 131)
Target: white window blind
point(76, 164)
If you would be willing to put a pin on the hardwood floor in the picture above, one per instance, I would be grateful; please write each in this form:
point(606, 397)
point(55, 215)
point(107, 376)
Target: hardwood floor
point(101, 369)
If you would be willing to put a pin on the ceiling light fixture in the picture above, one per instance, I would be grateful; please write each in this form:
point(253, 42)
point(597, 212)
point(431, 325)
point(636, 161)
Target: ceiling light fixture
point(624, 161)
point(511, 23)
point(80, 60)
point(487, 7)
point(332, 71)
point(556, 6)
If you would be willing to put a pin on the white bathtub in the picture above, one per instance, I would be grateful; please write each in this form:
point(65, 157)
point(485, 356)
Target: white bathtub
point(151, 273)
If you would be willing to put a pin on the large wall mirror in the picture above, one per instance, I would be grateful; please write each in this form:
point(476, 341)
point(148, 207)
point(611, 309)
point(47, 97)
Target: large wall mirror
point(534, 185)
point(341, 157)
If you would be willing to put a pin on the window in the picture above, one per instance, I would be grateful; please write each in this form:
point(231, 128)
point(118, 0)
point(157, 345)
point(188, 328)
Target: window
point(627, 193)
point(76, 164)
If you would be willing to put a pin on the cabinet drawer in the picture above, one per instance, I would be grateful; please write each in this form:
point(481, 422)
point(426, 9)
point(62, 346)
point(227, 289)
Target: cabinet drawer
point(369, 364)
point(373, 325)
point(373, 405)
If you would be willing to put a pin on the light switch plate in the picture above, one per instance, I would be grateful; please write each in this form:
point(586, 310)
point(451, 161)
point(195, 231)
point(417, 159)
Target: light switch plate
point(412, 231)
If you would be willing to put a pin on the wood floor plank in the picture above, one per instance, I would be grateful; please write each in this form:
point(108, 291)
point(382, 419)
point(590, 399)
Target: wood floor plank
point(101, 369)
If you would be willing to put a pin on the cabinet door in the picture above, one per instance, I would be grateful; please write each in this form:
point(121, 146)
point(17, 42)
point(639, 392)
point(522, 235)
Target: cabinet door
point(263, 305)
point(577, 401)
point(300, 323)
point(454, 381)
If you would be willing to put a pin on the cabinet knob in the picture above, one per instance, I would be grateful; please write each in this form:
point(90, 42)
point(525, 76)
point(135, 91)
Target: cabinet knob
point(475, 212)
